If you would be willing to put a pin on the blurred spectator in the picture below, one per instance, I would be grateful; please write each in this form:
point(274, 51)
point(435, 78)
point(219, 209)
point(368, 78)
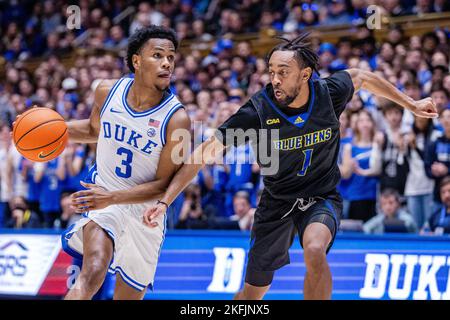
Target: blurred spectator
point(51, 18)
point(199, 32)
point(7, 110)
point(223, 48)
point(437, 157)
point(346, 135)
point(192, 215)
point(422, 6)
point(337, 13)
point(116, 39)
point(391, 217)
point(441, 6)
point(6, 173)
point(327, 52)
point(244, 50)
point(429, 44)
point(78, 159)
point(441, 97)
point(50, 175)
point(68, 214)
point(33, 193)
point(419, 187)
point(359, 14)
point(243, 211)
point(439, 222)
point(213, 180)
point(394, 8)
point(268, 21)
point(186, 13)
point(360, 166)
point(395, 164)
point(146, 16)
point(239, 166)
point(22, 217)
point(243, 214)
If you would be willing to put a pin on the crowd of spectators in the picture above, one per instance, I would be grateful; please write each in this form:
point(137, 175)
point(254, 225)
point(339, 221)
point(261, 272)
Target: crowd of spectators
point(393, 164)
point(38, 28)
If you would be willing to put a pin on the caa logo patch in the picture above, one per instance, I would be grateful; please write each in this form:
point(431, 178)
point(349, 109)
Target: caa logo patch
point(151, 132)
point(273, 121)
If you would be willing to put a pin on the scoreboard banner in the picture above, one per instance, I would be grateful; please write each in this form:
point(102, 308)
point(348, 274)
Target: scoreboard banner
point(211, 265)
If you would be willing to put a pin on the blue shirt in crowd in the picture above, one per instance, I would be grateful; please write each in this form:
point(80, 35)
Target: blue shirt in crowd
point(438, 151)
point(359, 187)
point(51, 188)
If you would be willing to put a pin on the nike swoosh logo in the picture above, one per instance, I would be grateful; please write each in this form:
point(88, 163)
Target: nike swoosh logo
point(42, 155)
point(115, 111)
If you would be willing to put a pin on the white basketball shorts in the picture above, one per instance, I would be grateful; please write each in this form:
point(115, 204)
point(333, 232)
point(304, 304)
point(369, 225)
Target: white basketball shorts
point(136, 246)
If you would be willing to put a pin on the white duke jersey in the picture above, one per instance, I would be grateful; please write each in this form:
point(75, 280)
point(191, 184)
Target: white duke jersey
point(130, 142)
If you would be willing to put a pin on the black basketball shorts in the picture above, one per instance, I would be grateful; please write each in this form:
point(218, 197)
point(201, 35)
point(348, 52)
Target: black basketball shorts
point(275, 226)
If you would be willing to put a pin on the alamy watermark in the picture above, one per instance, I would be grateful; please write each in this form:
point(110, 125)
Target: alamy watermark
point(73, 271)
point(73, 17)
point(373, 20)
point(261, 142)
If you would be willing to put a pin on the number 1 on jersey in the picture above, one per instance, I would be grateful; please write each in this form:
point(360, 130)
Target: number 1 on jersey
point(306, 162)
point(125, 171)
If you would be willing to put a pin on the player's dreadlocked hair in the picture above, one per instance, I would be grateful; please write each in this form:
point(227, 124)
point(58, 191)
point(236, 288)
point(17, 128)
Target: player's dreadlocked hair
point(304, 54)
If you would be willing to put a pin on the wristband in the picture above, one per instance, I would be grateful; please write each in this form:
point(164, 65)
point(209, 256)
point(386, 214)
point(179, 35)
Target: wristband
point(167, 206)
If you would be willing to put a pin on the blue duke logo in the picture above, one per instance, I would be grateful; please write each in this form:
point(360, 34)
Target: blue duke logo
point(228, 270)
point(407, 276)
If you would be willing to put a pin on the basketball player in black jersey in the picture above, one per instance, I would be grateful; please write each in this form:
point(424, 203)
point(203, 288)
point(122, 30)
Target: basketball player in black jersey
point(301, 196)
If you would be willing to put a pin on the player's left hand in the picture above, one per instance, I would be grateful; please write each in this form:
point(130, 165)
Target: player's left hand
point(93, 198)
point(152, 213)
point(425, 108)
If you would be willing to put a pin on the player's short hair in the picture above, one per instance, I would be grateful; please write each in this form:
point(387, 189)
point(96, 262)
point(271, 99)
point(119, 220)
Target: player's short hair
point(141, 36)
point(304, 53)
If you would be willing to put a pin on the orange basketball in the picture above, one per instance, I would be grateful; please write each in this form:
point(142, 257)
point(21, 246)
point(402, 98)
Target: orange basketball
point(40, 134)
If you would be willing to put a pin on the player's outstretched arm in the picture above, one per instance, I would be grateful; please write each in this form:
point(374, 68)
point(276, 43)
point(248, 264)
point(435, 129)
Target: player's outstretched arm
point(97, 198)
point(379, 86)
point(87, 130)
point(205, 153)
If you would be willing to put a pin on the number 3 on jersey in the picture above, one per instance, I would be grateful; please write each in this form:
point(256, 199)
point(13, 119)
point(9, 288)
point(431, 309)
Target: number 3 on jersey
point(306, 162)
point(124, 171)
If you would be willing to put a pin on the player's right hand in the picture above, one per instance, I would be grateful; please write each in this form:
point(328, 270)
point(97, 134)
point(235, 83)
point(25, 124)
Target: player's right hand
point(425, 108)
point(152, 213)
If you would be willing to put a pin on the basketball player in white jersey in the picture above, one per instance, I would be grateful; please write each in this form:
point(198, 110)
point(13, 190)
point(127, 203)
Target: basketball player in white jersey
point(131, 121)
